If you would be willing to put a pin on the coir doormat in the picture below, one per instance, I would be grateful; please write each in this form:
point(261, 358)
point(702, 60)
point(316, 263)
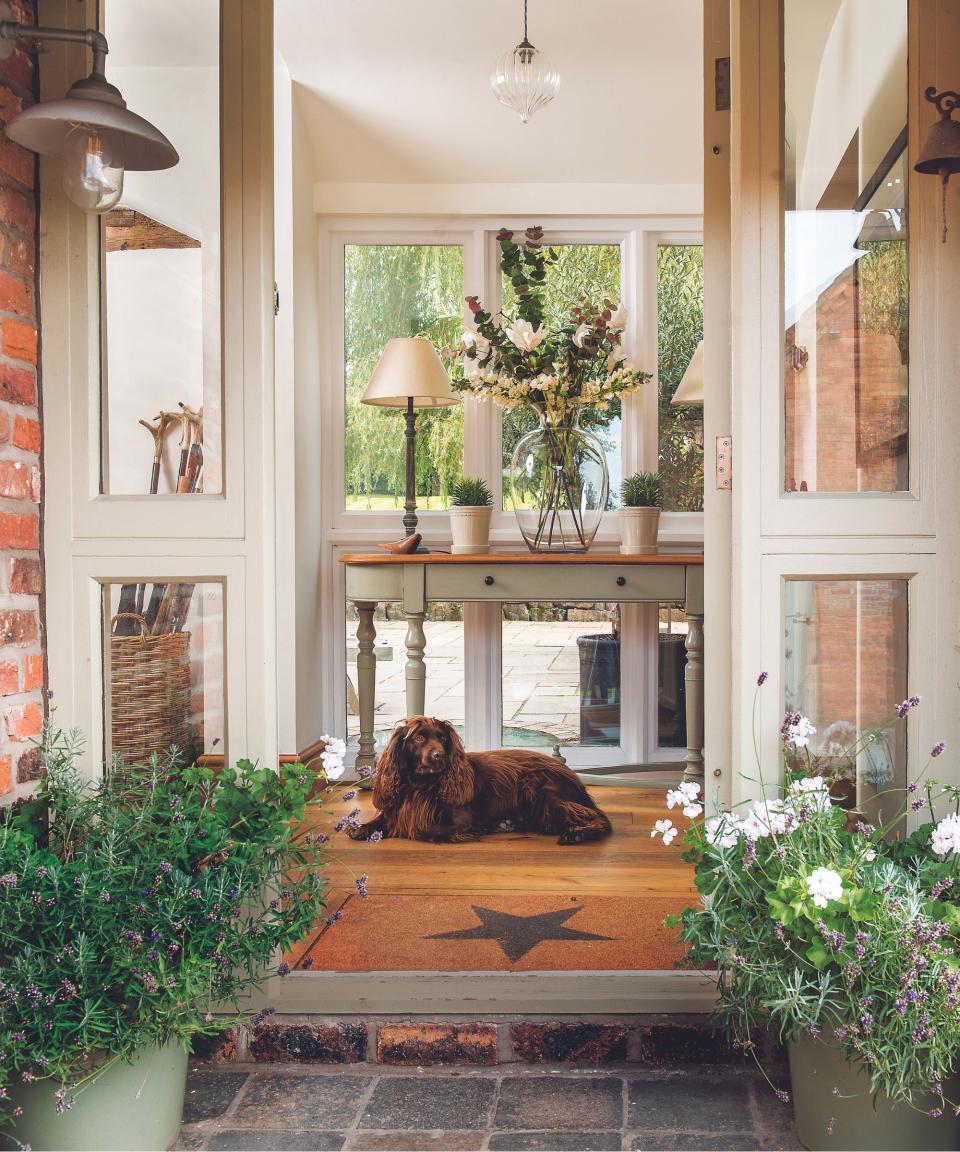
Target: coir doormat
point(478, 933)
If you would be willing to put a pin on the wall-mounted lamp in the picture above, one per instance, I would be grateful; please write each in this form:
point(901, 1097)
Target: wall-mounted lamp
point(941, 153)
point(91, 129)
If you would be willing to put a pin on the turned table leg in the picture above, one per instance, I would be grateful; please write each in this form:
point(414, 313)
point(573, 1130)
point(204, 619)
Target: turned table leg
point(416, 668)
point(693, 679)
point(366, 682)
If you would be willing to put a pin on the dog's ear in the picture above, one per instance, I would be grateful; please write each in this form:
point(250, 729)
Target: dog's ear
point(457, 785)
point(388, 781)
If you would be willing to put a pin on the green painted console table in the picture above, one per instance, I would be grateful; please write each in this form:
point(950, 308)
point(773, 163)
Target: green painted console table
point(416, 580)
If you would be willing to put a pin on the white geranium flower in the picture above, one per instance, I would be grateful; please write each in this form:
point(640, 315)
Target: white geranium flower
point(522, 335)
point(664, 828)
point(722, 831)
point(824, 885)
point(581, 334)
point(618, 321)
point(765, 818)
point(946, 836)
point(332, 757)
point(813, 790)
point(692, 810)
point(798, 733)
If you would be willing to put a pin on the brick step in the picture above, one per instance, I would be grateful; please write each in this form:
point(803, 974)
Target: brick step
point(651, 1041)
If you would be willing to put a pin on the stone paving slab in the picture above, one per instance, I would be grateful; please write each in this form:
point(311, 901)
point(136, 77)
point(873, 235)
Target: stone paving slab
point(511, 1108)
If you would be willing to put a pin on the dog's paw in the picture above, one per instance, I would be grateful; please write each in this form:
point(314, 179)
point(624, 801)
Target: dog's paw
point(506, 826)
point(361, 833)
point(571, 838)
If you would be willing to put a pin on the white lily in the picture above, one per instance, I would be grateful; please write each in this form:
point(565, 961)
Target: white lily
point(618, 321)
point(581, 334)
point(524, 336)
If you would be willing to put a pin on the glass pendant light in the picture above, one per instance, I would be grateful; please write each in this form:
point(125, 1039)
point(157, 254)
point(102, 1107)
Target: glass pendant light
point(524, 79)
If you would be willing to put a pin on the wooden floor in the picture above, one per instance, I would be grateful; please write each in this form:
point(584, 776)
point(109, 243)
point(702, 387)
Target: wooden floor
point(629, 862)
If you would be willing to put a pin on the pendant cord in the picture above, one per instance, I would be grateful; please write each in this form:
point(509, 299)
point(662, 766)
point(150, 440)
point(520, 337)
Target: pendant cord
point(525, 20)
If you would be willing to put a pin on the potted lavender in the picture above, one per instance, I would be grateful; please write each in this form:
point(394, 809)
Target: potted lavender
point(842, 943)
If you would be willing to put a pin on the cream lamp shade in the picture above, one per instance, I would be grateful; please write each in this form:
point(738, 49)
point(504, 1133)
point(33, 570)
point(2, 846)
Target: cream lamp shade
point(410, 369)
point(690, 388)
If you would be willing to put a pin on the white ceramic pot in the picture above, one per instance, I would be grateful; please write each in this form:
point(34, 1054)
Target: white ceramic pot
point(638, 531)
point(470, 529)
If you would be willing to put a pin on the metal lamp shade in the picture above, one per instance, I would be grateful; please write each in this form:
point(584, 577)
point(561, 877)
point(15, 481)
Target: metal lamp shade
point(96, 104)
point(410, 369)
point(941, 152)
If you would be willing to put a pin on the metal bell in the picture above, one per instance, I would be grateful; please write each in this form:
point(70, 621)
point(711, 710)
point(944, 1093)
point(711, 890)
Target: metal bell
point(941, 152)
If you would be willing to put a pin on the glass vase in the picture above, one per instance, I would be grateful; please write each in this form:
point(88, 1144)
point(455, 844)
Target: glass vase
point(558, 486)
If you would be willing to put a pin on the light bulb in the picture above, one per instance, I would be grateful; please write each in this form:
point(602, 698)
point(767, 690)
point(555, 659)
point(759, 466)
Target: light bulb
point(91, 178)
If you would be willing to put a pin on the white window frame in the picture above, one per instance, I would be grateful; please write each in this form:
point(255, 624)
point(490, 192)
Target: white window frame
point(92, 539)
point(639, 239)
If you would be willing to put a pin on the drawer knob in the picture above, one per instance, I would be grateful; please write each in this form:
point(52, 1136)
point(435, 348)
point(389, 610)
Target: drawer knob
point(488, 580)
point(621, 580)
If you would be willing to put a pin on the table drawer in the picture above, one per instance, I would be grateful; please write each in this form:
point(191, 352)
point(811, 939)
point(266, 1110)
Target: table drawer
point(607, 582)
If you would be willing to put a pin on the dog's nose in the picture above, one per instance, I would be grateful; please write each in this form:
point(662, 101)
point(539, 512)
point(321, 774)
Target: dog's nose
point(436, 755)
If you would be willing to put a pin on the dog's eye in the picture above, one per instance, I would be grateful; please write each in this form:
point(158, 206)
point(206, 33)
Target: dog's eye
point(418, 739)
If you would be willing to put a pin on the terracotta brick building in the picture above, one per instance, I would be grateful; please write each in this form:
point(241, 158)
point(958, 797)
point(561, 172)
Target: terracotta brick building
point(22, 670)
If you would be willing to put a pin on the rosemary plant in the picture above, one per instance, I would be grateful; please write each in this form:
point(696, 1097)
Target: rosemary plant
point(132, 909)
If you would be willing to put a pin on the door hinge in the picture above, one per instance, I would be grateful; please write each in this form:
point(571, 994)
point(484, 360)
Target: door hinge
point(725, 463)
point(721, 84)
point(276, 299)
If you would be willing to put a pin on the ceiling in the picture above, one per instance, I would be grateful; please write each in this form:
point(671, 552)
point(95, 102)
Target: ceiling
point(398, 91)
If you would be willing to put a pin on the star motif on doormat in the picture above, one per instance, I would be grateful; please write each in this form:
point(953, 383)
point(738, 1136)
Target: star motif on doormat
point(516, 935)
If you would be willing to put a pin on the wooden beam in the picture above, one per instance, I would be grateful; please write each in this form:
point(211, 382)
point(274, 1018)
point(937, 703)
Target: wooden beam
point(126, 230)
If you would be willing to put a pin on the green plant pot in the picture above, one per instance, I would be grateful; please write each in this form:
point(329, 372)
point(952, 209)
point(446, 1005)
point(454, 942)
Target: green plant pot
point(854, 1120)
point(127, 1106)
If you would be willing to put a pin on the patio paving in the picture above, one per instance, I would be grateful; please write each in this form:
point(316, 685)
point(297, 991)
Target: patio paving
point(541, 674)
point(514, 1107)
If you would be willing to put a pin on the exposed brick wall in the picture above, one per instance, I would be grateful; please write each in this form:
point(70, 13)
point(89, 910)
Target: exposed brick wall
point(22, 668)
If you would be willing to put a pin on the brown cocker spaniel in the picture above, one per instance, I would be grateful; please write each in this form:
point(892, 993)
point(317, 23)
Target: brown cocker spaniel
point(428, 788)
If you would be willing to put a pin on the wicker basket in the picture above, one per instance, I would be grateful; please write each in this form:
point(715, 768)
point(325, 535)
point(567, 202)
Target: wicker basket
point(149, 692)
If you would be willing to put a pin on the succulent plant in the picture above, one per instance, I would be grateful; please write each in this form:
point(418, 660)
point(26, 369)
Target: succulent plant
point(470, 492)
point(641, 490)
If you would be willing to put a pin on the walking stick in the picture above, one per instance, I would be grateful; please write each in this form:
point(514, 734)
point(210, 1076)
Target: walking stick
point(131, 595)
point(159, 594)
point(174, 605)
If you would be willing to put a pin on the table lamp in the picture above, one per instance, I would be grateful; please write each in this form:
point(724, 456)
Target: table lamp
point(410, 376)
point(690, 388)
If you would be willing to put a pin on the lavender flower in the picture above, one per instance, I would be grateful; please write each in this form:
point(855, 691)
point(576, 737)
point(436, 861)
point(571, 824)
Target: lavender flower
point(762, 679)
point(350, 795)
point(283, 968)
point(362, 886)
point(937, 749)
point(375, 837)
point(334, 918)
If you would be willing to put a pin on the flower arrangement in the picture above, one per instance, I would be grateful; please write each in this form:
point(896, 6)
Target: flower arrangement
point(130, 908)
point(819, 929)
point(516, 360)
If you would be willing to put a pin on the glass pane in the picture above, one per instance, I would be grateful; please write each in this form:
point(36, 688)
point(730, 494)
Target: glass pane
point(399, 290)
point(443, 656)
point(583, 270)
point(161, 259)
point(679, 332)
point(845, 257)
point(671, 686)
point(561, 675)
point(164, 669)
point(845, 653)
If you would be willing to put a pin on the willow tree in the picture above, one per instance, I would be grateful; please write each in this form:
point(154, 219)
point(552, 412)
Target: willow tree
point(398, 290)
